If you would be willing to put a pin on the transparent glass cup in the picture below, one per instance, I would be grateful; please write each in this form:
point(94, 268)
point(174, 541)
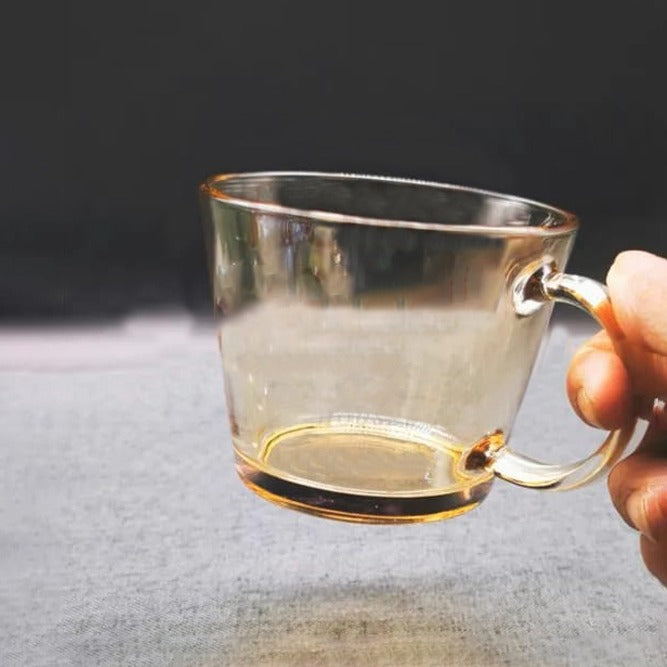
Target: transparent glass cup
point(377, 336)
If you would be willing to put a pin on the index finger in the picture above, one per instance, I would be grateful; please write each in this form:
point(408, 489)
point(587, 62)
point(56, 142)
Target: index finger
point(638, 289)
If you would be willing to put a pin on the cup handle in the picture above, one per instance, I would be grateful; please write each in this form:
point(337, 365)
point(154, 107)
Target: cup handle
point(537, 284)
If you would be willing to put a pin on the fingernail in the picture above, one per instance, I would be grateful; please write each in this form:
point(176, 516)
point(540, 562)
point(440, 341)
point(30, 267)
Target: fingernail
point(636, 507)
point(586, 408)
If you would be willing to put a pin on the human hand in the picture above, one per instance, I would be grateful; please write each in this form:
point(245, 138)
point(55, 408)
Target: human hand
point(610, 383)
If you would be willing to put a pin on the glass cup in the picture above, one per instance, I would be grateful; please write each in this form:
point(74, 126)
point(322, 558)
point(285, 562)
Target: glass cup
point(377, 336)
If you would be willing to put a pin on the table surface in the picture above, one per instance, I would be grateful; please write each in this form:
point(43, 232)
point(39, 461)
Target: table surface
point(125, 537)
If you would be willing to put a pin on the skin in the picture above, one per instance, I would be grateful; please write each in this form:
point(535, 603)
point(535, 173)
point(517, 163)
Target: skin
point(610, 382)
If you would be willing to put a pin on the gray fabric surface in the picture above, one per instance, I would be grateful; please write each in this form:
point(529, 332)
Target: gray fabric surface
point(125, 537)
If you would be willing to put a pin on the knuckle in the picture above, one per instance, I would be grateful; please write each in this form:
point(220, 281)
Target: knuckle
point(620, 482)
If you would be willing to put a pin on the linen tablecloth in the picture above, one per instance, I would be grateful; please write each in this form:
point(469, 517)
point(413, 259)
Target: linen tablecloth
point(126, 538)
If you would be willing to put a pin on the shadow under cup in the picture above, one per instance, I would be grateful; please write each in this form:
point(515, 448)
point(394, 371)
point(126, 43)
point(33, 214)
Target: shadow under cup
point(370, 343)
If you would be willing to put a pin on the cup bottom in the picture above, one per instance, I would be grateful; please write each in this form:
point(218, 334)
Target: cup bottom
point(365, 469)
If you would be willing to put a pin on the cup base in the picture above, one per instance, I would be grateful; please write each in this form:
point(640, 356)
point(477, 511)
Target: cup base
point(365, 470)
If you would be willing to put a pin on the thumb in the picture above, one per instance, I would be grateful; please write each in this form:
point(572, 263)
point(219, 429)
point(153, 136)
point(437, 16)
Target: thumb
point(638, 289)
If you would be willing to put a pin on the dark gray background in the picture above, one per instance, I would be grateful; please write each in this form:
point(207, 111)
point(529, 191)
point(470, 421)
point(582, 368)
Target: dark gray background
point(114, 112)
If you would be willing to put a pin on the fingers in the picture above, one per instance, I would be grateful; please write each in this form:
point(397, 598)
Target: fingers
point(638, 289)
point(638, 488)
point(655, 558)
point(605, 391)
point(598, 385)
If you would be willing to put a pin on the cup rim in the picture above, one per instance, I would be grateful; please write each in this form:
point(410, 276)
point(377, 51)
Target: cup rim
point(569, 222)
